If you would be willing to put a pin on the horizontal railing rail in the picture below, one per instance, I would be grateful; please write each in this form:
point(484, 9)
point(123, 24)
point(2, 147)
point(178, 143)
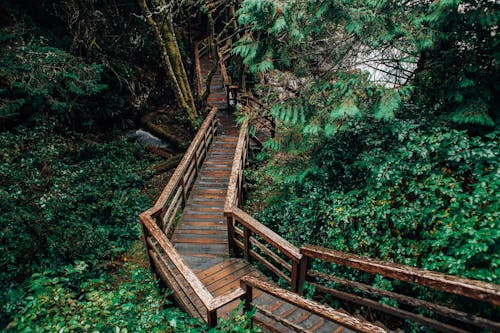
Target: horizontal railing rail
point(261, 244)
point(248, 283)
point(330, 283)
point(158, 225)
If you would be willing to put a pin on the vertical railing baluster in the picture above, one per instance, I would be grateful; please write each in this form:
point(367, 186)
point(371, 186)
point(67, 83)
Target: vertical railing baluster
point(247, 233)
point(247, 297)
point(230, 236)
point(184, 190)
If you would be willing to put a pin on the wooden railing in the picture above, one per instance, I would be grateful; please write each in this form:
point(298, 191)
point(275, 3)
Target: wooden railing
point(200, 49)
point(158, 224)
point(340, 288)
point(254, 241)
point(248, 283)
point(249, 238)
point(175, 194)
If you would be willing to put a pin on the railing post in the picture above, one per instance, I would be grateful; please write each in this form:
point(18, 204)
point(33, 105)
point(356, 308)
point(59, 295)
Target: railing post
point(247, 233)
point(302, 274)
point(197, 166)
point(230, 235)
point(247, 297)
point(214, 126)
point(232, 97)
point(212, 318)
point(294, 286)
point(145, 235)
point(184, 190)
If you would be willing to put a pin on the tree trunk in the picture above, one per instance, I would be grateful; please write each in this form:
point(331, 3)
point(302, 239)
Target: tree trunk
point(172, 62)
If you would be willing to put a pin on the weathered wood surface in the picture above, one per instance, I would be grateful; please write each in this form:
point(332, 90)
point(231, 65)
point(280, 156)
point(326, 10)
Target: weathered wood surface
point(218, 94)
point(478, 290)
point(411, 301)
point(335, 317)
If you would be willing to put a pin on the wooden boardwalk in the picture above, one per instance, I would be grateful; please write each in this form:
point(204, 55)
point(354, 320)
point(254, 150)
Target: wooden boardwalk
point(201, 235)
point(188, 245)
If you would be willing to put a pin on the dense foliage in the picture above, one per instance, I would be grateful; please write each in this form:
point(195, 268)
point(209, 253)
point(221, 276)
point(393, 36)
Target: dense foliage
point(443, 52)
point(413, 192)
point(127, 301)
point(387, 141)
point(38, 77)
point(65, 198)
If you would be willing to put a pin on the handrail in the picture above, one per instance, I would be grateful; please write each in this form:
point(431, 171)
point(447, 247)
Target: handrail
point(234, 187)
point(187, 159)
point(223, 70)
point(243, 238)
point(249, 282)
point(478, 290)
point(473, 289)
point(164, 211)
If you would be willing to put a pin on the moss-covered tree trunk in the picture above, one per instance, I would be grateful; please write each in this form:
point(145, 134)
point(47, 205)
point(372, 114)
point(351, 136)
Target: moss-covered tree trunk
point(171, 58)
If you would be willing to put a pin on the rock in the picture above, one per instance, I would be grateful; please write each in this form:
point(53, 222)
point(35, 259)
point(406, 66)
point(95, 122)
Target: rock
point(147, 139)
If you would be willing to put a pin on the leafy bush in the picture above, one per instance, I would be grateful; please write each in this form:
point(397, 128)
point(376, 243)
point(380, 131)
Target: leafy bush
point(66, 198)
point(413, 192)
point(36, 76)
point(130, 301)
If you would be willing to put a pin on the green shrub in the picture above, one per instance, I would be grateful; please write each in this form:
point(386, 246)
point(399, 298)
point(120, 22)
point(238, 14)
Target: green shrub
point(129, 301)
point(411, 192)
point(66, 198)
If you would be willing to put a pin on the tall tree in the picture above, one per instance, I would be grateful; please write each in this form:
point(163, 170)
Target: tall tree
point(163, 28)
point(459, 66)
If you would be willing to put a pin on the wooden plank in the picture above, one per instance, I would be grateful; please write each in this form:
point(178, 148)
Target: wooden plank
point(229, 281)
point(199, 240)
point(216, 268)
point(201, 249)
point(203, 216)
point(478, 290)
point(225, 271)
point(312, 306)
point(203, 223)
point(200, 231)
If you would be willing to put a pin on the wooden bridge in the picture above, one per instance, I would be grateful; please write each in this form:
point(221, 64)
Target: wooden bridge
point(205, 248)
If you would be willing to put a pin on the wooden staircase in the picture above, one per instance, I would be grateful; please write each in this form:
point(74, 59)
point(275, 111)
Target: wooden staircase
point(202, 245)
